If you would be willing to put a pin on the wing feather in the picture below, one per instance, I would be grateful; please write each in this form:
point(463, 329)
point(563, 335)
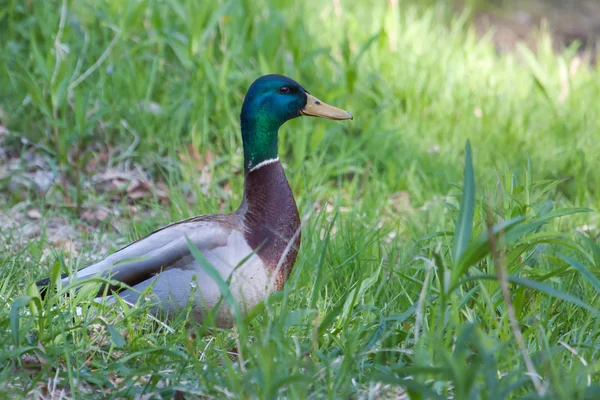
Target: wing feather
point(160, 250)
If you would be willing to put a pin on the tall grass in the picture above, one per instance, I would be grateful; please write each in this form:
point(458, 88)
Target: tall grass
point(426, 266)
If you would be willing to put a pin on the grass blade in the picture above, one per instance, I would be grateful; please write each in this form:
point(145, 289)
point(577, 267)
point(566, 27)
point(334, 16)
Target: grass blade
point(116, 337)
point(535, 285)
point(550, 291)
point(319, 274)
point(464, 226)
point(14, 316)
point(583, 270)
point(481, 248)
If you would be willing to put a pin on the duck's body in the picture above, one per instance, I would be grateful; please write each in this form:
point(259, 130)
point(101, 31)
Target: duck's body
point(253, 248)
point(268, 214)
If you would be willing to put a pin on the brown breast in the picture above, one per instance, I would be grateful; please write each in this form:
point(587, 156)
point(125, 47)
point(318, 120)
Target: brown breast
point(271, 219)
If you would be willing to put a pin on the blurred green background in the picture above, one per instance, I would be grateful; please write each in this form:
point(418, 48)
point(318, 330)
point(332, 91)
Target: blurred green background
point(419, 80)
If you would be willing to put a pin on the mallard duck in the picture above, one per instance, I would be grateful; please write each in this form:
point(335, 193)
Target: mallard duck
point(253, 248)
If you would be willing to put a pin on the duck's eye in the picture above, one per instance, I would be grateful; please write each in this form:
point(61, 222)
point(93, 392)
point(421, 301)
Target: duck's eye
point(285, 89)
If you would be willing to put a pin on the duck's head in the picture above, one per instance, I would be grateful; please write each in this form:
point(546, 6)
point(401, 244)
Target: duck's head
point(270, 102)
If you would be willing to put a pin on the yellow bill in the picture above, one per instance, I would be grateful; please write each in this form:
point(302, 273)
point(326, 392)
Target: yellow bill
point(316, 108)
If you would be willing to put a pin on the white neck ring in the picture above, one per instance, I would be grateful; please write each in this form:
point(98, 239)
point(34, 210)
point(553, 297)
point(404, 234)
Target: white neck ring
point(263, 163)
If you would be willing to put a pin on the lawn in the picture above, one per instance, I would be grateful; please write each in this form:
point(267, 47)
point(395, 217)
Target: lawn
point(450, 239)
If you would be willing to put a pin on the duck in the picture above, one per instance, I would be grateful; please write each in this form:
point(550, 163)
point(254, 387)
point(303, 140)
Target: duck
point(253, 248)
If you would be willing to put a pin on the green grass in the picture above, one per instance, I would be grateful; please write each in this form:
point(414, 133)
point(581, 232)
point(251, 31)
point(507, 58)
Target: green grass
point(383, 289)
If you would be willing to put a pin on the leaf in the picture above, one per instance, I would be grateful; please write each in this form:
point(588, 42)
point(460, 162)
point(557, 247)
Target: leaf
point(329, 318)
point(40, 61)
point(591, 245)
point(356, 295)
point(381, 327)
point(533, 225)
point(319, 273)
point(550, 291)
point(513, 230)
point(168, 350)
point(348, 304)
point(34, 293)
point(582, 269)
point(535, 285)
point(481, 248)
point(14, 316)
point(534, 241)
point(528, 181)
point(400, 318)
point(433, 236)
point(464, 226)
point(551, 185)
point(563, 212)
point(367, 283)
point(116, 337)
point(444, 273)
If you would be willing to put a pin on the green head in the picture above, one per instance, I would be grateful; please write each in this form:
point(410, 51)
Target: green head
point(270, 102)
